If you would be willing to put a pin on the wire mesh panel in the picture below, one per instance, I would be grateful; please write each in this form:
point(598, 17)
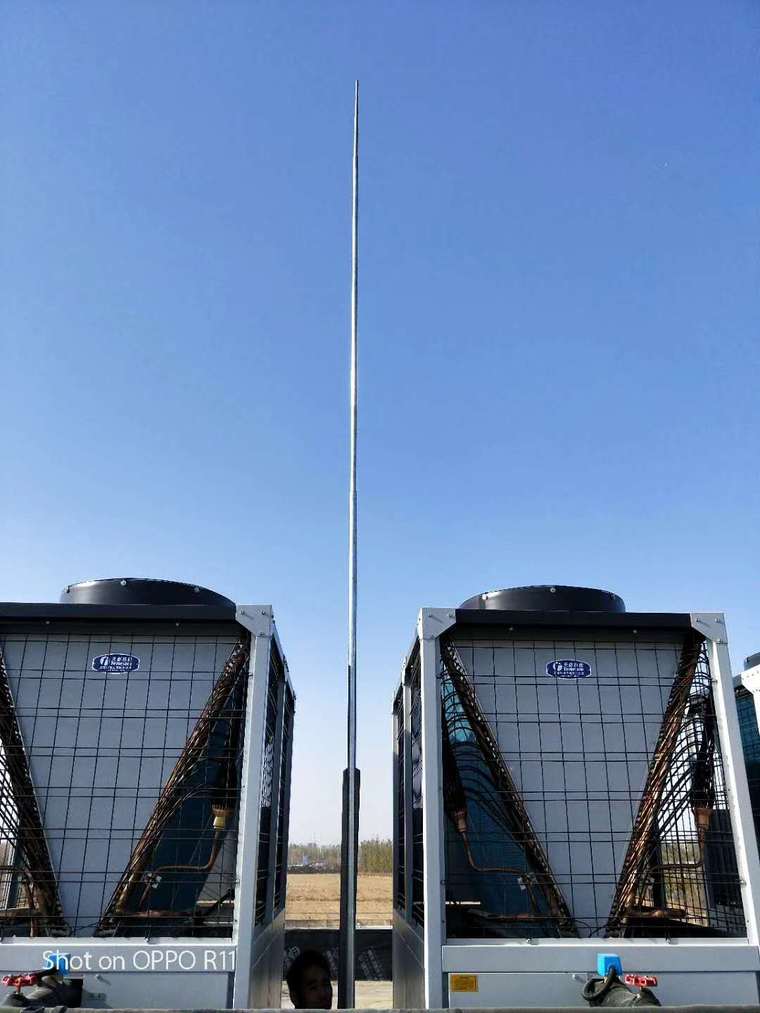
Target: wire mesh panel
point(493, 838)
point(399, 803)
point(418, 838)
point(129, 750)
point(29, 899)
point(680, 872)
point(275, 681)
point(283, 810)
point(566, 761)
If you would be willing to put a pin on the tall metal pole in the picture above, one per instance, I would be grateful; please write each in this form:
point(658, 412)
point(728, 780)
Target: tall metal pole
point(350, 843)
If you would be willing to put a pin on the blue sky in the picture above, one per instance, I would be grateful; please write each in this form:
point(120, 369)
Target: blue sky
point(559, 316)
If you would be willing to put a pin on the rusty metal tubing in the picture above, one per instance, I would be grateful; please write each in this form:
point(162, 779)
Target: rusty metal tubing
point(217, 847)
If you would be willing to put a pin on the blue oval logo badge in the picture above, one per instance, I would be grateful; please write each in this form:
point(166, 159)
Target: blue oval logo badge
point(120, 663)
point(568, 668)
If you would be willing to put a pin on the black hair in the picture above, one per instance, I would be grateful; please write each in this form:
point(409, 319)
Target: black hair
point(306, 958)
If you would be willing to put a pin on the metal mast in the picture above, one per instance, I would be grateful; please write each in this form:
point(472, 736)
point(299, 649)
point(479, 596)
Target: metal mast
point(350, 841)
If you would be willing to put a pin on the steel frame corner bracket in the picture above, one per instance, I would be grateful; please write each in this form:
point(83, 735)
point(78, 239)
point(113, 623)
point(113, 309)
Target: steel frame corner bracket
point(432, 622)
point(750, 680)
point(712, 625)
point(258, 619)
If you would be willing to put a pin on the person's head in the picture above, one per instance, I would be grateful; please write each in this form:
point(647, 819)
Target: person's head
point(309, 982)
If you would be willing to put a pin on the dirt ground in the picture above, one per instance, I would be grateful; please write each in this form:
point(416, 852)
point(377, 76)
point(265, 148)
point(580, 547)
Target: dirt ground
point(369, 995)
point(313, 900)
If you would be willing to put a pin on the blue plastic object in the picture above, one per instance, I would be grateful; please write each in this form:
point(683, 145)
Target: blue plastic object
point(604, 961)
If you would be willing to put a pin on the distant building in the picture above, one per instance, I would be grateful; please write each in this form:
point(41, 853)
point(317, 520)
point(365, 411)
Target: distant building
point(748, 726)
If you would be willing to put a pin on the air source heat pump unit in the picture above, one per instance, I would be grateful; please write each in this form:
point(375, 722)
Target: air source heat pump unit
point(568, 786)
point(146, 731)
point(747, 689)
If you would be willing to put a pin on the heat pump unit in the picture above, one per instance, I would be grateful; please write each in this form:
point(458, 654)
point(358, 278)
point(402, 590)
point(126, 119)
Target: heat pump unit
point(568, 788)
point(146, 730)
point(747, 690)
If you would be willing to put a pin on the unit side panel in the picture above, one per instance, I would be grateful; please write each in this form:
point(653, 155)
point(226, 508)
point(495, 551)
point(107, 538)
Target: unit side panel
point(408, 966)
point(266, 978)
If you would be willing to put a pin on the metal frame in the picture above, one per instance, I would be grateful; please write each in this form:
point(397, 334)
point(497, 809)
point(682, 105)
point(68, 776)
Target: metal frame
point(431, 623)
point(408, 830)
point(712, 625)
point(656, 956)
point(259, 622)
point(675, 955)
point(422, 944)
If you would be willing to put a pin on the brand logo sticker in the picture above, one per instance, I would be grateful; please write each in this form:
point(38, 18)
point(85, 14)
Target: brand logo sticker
point(568, 668)
point(120, 663)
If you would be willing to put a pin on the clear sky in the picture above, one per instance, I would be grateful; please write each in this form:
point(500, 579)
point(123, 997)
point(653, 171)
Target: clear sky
point(559, 316)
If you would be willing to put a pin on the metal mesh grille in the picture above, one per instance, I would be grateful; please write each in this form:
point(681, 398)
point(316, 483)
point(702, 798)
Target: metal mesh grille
point(101, 747)
point(399, 802)
point(29, 900)
point(546, 779)
point(680, 873)
point(489, 834)
point(284, 801)
point(418, 834)
point(268, 763)
point(183, 868)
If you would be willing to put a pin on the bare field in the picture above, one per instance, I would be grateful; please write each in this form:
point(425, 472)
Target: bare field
point(313, 900)
point(369, 995)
